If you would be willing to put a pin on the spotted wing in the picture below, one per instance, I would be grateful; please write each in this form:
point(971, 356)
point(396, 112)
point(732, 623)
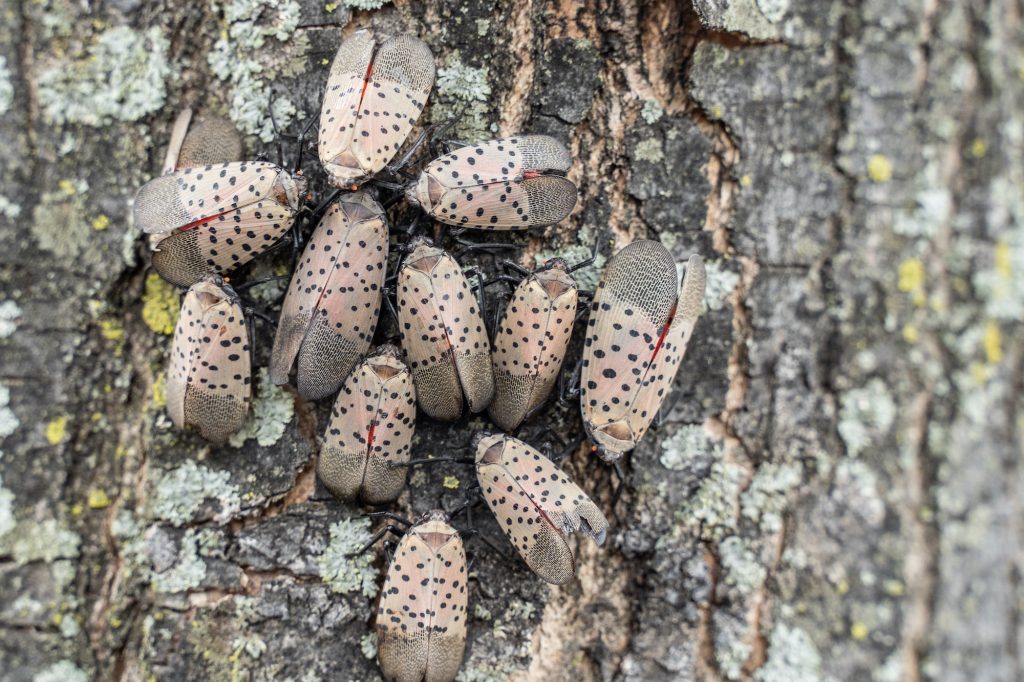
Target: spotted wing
point(333, 303)
point(210, 141)
point(501, 184)
point(659, 376)
point(630, 312)
point(396, 91)
point(426, 345)
point(421, 616)
point(184, 346)
point(542, 546)
point(192, 196)
point(528, 350)
point(178, 132)
point(222, 243)
point(340, 111)
point(464, 328)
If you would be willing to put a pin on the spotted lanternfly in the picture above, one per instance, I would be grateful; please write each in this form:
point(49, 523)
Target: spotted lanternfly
point(508, 184)
point(536, 504)
point(443, 334)
point(214, 218)
point(330, 311)
point(374, 95)
point(421, 617)
point(640, 323)
point(208, 378)
point(531, 341)
point(208, 140)
point(371, 430)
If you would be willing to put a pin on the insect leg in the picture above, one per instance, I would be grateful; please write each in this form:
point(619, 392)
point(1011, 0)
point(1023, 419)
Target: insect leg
point(300, 142)
point(666, 410)
point(617, 490)
point(376, 538)
point(388, 515)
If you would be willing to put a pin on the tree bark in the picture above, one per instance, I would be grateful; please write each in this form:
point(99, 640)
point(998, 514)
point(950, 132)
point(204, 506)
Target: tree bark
point(835, 491)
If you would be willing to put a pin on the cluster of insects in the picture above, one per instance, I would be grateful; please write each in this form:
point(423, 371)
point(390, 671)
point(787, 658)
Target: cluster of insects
point(210, 213)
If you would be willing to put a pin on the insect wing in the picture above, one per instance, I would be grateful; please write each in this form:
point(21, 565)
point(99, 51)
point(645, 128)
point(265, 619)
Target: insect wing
point(340, 111)
point(210, 141)
point(421, 616)
point(211, 352)
point(500, 185)
point(424, 337)
point(530, 345)
point(629, 314)
point(331, 309)
point(371, 428)
point(178, 132)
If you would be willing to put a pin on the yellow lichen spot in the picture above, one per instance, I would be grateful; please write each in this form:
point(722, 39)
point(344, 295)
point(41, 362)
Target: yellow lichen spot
point(980, 372)
point(95, 417)
point(120, 452)
point(842, 587)
point(111, 330)
point(160, 390)
point(911, 279)
point(859, 631)
point(993, 343)
point(116, 622)
point(910, 333)
point(325, 61)
point(160, 305)
point(77, 509)
point(451, 482)
point(56, 430)
point(1003, 260)
point(98, 499)
point(894, 588)
point(58, 618)
point(68, 187)
point(978, 148)
point(746, 181)
point(716, 111)
point(330, 7)
point(100, 222)
point(223, 35)
point(879, 168)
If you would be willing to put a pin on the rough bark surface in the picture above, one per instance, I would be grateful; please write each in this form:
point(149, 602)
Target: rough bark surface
point(836, 492)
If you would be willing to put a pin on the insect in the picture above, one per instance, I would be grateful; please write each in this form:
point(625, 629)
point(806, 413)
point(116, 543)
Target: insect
point(370, 430)
point(531, 341)
point(212, 219)
point(208, 140)
point(421, 616)
point(443, 334)
point(375, 93)
point(536, 504)
point(208, 378)
point(640, 323)
point(508, 184)
point(330, 311)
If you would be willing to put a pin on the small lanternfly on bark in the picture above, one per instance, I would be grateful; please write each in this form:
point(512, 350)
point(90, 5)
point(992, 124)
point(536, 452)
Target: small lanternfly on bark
point(536, 504)
point(209, 374)
point(531, 341)
point(330, 311)
point(205, 141)
point(215, 218)
point(640, 323)
point(508, 184)
point(421, 616)
point(370, 431)
point(375, 93)
point(443, 333)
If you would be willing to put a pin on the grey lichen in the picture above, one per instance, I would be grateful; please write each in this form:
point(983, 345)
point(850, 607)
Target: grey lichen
point(368, 645)
point(345, 573)
point(9, 314)
point(45, 540)
point(721, 282)
point(6, 88)
point(791, 656)
point(867, 413)
point(764, 500)
point(60, 223)
point(9, 209)
point(180, 494)
point(650, 150)
point(365, 4)
point(741, 567)
point(463, 92)
point(652, 111)
point(712, 511)
point(6, 510)
point(122, 76)
point(8, 420)
point(272, 410)
point(61, 671)
point(188, 570)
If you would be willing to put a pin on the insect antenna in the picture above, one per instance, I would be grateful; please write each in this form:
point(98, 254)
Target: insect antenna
point(467, 246)
point(388, 515)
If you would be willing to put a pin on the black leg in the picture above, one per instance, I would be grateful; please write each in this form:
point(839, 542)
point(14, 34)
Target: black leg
point(376, 537)
point(301, 142)
point(569, 449)
point(388, 515)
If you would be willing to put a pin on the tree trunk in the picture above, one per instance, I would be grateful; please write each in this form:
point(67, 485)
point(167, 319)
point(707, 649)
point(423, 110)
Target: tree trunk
point(835, 492)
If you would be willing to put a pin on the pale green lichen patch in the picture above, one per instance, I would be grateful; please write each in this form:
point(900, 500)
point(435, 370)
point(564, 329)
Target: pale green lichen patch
point(7, 522)
point(180, 494)
point(791, 656)
point(45, 540)
point(650, 150)
point(463, 93)
point(741, 567)
point(255, 49)
point(764, 500)
point(122, 76)
point(721, 283)
point(61, 671)
point(685, 444)
point(867, 413)
point(8, 420)
point(188, 570)
point(368, 645)
point(6, 88)
point(9, 209)
point(344, 573)
point(60, 223)
point(272, 409)
point(712, 511)
point(365, 4)
point(651, 111)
